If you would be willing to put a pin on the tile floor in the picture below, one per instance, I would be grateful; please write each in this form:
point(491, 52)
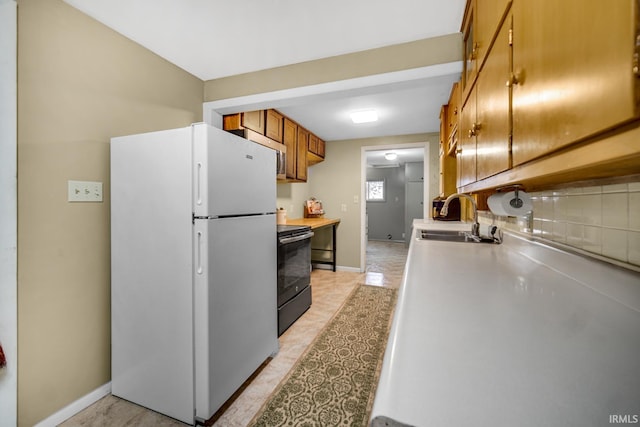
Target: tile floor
point(385, 266)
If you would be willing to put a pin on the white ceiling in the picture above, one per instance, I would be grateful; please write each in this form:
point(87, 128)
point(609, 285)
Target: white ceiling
point(217, 38)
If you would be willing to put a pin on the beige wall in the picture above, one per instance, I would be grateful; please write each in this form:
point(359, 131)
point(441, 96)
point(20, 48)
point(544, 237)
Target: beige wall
point(405, 56)
point(80, 83)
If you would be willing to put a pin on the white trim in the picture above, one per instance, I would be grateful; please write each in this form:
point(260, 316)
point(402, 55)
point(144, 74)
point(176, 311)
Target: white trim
point(8, 213)
point(73, 408)
point(348, 269)
point(305, 94)
point(338, 268)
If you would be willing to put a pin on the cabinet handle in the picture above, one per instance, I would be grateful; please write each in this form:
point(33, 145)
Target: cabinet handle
point(474, 51)
point(474, 129)
point(513, 80)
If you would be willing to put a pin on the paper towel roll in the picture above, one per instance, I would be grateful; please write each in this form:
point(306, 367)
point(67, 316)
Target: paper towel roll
point(505, 204)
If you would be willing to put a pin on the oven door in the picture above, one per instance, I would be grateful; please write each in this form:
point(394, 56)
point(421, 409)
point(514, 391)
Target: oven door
point(294, 265)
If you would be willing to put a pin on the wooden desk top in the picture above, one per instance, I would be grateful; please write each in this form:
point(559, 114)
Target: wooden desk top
point(314, 222)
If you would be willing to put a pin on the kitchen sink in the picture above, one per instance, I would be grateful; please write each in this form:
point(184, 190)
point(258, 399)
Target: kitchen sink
point(455, 236)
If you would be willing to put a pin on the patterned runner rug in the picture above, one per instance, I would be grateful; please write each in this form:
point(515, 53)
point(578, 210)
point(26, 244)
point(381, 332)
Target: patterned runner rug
point(334, 382)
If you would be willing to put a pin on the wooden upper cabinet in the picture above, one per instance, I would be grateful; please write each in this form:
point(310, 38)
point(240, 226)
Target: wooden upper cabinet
point(493, 125)
point(290, 139)
point(453, 117)
point(469, 48)
point(302, 144)
point(573, 64)
point(316, 147)
point(313, 143)
point(466, 153)
point(274, 125)
point(254, 120)
point(444, 127)
point(481, 22)
point(321, 148)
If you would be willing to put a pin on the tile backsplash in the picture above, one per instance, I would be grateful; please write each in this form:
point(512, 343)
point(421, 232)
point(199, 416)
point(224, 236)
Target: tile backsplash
point(601, 220)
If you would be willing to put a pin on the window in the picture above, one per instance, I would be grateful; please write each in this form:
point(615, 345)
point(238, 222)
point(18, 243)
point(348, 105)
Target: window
point(375, 191)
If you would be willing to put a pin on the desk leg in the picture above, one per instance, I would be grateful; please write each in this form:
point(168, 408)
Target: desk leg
point(335, 248)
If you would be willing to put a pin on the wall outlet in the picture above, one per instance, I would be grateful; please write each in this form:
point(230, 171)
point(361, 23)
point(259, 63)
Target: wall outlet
point(84, 191)
point(343, 207)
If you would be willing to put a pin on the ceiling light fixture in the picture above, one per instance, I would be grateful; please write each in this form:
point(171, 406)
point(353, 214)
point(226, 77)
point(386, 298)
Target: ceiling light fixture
point(364, 116)
point(391, 156)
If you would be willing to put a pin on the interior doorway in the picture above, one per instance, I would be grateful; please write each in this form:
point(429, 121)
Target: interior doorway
point(391, 215)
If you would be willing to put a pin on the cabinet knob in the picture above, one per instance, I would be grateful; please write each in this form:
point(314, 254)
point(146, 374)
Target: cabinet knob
point(513, 80)
point(474, 129)
point(474, 51)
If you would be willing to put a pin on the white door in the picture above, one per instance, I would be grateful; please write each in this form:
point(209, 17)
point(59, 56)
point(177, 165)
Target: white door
point(414, 207)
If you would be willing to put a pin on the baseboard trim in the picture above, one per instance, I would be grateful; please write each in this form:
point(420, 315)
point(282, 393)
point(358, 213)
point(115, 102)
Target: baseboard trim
point(338, 268)
point(73, 408)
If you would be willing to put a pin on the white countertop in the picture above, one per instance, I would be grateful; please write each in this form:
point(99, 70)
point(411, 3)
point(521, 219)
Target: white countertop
point(516, 334)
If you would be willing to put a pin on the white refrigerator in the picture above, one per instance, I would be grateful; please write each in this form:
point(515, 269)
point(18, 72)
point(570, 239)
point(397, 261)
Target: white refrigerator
point(193, 267)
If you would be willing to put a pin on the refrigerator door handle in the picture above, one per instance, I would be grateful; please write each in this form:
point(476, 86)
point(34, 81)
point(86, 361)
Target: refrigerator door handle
point(199, 268)
point(199, 183)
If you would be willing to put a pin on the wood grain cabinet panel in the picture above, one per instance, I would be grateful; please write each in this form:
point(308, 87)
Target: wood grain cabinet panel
point(290, 139)
point(301, 163)
point(466, 152)
point(492, 128)
point(313, 143)
point(274, 125)
point(574, 72)
point(253, 120)
point(321, 148)
point(480, 25)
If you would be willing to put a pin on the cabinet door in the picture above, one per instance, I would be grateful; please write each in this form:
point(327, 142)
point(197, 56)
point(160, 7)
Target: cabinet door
point(469, 49)
point(274, 125)
point(573, 62)
point(254, 120)
point(489, 15)
point(320, 148)
point(453, 109)
point(480, 25)
point(301, 164)
point(313, 143)
point(492, 108)
point(290, 138)
point(466, 152)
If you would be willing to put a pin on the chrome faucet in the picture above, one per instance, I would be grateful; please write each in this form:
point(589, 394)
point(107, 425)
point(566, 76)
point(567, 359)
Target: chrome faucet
point(475, 227)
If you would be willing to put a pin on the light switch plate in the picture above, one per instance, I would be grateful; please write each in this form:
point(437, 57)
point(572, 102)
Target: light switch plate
point(84, 191)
